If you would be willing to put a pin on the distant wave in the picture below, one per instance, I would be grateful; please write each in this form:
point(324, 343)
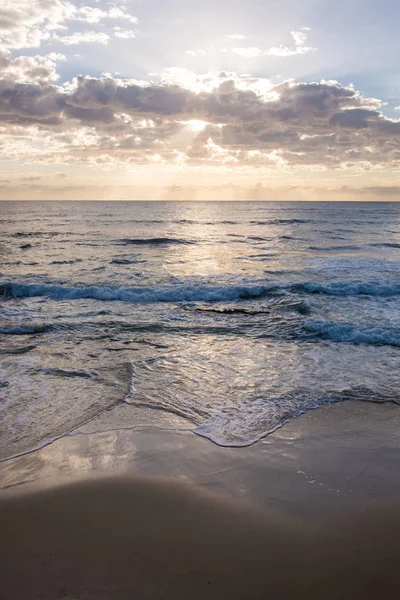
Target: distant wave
point(195, 293)
point(122, 260)
point(348, 288)
point(68, 373)
point(334, 248)
point(34, 234)
point(66, 262)
point(21, 350)
point(25, 329)
point(157, 241)
point(282, 222)
point(386, 245)
point(343, 332)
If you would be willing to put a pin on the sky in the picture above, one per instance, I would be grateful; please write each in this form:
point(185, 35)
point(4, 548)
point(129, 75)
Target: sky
point(190, 99)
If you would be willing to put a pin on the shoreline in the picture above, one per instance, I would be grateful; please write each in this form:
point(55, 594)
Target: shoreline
point(337, 455)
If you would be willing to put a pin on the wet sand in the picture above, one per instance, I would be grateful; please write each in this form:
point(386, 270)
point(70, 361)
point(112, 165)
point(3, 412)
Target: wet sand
point(148, 538)
point(311, 512)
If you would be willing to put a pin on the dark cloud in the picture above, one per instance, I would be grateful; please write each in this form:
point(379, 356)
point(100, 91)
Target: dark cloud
point(355, 118)
point(391, 191)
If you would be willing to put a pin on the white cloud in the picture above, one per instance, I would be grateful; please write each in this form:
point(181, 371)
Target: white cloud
point(26, 23)
point(83, 37)
point(299, 37)
point(124, 33)
point(90, 14)
point(285, 51)
point(34, 69)
point(29, 23)
point(118, 13)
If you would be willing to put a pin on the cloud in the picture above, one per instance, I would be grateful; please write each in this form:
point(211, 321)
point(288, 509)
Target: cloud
point(93, 15)
point(83, 37)
point(124, 34)
point(299, 39)
point(34, 69)
point(29, 23)
point(246, 122)
point(26, 23)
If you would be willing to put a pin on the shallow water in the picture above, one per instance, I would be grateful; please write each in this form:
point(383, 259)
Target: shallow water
point(231, 318)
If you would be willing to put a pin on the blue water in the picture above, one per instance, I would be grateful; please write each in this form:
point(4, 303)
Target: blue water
point(228, 319)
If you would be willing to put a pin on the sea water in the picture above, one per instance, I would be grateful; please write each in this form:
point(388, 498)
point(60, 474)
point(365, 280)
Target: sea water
point(226, 318)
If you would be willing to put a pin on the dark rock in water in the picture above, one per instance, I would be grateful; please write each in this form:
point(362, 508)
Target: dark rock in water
point(26, 246)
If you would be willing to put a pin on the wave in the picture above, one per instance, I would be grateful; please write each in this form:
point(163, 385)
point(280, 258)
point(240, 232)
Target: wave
point(343, 332)
point(34, 234)
point(22, 350)
point(386, 245)
point(334, 248)
point(68, 373)
point(282, 222)
point(348, 288)
point(122, 260)
point(25, 329)
point(247, 424)
point(66, 262)
point(138, 294)
point(158, 241)
point(279, 304)
point(196, 293)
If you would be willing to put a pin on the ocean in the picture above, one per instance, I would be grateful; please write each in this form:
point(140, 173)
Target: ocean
point(227, 319)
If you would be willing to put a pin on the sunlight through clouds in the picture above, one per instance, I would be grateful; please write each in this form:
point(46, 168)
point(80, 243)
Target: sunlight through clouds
point(92, 79)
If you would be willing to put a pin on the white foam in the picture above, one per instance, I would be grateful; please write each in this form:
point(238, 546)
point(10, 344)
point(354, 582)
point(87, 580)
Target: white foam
point(343, 332)
point(197, 293)
point(252, 421)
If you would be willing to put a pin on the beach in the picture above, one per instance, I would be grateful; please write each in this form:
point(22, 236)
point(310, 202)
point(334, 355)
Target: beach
point(199, 400)
point(311, 511)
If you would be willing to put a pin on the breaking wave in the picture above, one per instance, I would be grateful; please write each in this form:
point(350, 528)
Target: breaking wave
point(138, 294)
point(195, 293)
point(343, 332)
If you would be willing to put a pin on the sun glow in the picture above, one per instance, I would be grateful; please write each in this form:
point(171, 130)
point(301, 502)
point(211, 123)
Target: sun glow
point(196, 125)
